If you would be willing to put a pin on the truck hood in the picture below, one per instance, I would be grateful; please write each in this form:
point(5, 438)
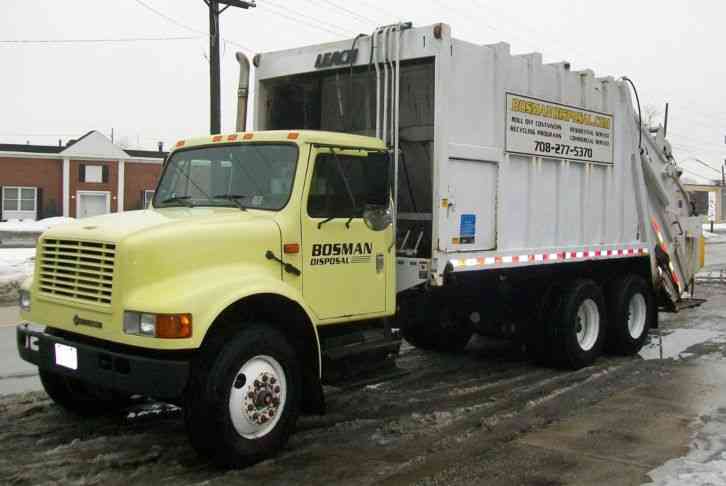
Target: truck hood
point(117, 226)
point(160, 257)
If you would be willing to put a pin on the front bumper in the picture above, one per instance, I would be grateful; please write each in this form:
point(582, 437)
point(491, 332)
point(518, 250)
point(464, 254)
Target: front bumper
point(123, 371)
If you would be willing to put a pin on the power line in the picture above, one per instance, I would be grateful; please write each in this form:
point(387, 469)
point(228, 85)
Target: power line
point(694, 174)
point(363, 18)
point(378, 8)
point(314, 23)
point(696, 159)
point(187, 27)
point(94, 41)
point(170, 19)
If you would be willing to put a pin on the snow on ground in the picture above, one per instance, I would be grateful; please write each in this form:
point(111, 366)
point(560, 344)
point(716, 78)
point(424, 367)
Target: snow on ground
point(25, 226)
point(16, 264)
point(705, 463)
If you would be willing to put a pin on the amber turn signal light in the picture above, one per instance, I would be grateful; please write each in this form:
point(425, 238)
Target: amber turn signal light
point(291, 248)
point(173, 326)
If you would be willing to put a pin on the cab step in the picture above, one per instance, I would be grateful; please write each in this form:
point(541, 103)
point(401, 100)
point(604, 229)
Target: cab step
point(359, 356)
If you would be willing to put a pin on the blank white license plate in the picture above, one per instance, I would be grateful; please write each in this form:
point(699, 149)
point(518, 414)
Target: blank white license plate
point(66, 356)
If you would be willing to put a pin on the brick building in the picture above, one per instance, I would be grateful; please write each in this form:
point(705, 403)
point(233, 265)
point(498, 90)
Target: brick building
point(86, 177)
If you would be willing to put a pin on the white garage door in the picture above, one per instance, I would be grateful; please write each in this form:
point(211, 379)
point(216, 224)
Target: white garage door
point(93, 204)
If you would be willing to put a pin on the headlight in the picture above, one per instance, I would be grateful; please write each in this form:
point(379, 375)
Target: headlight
point(24, 300)
point(169, 326)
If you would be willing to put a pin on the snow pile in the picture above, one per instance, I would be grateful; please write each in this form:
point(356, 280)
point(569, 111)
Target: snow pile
point(705, 464)
point(18, 226)
point(16, 264)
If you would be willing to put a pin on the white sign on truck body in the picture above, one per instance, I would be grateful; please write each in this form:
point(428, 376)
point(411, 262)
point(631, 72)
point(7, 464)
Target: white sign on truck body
point(543, 128)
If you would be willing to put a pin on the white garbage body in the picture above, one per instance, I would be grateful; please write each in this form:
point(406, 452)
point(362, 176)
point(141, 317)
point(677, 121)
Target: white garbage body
point(509, 162)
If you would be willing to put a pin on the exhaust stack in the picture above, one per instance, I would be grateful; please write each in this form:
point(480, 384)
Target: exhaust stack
point(242, 91)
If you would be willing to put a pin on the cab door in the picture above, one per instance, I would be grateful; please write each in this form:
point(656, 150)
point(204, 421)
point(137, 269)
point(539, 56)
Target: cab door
point(345, 262)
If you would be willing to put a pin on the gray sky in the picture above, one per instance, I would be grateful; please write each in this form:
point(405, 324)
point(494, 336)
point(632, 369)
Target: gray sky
point(149, 91)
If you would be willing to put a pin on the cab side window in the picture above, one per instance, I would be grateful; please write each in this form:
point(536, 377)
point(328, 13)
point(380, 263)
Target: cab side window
point(342, 185)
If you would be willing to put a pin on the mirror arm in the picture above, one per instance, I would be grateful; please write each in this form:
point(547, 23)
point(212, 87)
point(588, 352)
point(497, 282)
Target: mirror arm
point(347, 223)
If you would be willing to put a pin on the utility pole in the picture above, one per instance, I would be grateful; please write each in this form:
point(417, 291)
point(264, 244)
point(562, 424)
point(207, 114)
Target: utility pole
point(215, 115)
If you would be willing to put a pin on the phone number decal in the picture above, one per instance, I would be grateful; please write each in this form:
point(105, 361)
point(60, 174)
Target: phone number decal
point(545, 128)
point(562, 149)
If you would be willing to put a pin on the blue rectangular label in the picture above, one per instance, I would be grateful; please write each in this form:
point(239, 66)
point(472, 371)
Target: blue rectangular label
point(467, 228)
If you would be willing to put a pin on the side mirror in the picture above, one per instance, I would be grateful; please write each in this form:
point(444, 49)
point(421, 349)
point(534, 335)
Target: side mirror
point(378, 211)
point(377, 217)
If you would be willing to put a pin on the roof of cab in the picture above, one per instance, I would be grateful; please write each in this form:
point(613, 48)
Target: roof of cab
point(299, 136)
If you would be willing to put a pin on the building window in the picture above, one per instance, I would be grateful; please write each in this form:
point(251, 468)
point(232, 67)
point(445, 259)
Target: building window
point(19, 202)
point(148, 196)
point(93, 173)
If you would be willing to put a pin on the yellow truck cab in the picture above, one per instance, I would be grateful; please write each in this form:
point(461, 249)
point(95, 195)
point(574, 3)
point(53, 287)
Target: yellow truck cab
point(214, 297)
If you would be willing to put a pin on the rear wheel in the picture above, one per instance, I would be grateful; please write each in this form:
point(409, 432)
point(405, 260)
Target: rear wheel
point(437, 331)
point(81, 398)
point(244, 397)
point(577, 327)
point(631, 308)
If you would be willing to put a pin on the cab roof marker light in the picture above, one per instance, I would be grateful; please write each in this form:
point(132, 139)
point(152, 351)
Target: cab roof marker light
point(232, 137)
point(216, 138)
point(247, 136)
point(180, 143)
point(293, 135)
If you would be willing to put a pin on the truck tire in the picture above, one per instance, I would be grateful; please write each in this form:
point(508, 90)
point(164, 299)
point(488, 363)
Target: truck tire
point(577, 329)
point(446, 334)
point(631, 309)
point(81, 398)
point(243, 399)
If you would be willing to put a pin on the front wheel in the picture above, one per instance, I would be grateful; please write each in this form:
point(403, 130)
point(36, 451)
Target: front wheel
point(244, 397)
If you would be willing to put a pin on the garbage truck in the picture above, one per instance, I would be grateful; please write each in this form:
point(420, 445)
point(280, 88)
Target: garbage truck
point(399, 183)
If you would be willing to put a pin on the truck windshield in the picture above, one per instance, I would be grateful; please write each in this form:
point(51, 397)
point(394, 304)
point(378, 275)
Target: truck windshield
point(250, 175)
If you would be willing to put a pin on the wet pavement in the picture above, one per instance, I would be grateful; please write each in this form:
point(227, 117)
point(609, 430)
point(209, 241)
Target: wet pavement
point(488, 416)
point(16, 375)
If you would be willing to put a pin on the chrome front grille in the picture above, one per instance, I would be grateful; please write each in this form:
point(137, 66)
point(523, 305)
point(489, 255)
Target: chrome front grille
point(79, 270)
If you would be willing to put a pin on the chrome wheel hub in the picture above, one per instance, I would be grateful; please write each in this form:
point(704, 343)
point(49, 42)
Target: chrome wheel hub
point(257, 397)
point(587, 326)
point(637, 315)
